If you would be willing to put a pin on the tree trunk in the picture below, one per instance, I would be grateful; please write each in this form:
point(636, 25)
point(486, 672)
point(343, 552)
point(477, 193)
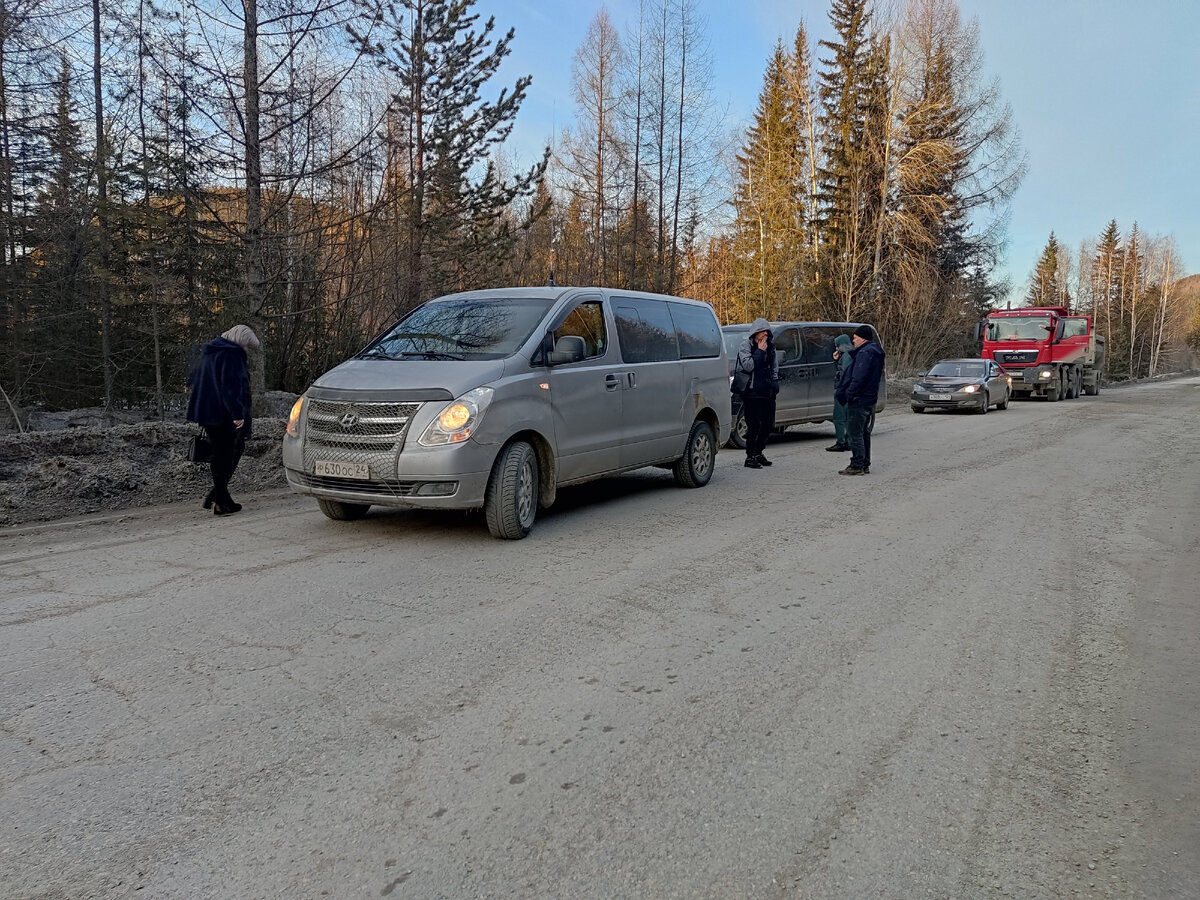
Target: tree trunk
point(102, 282)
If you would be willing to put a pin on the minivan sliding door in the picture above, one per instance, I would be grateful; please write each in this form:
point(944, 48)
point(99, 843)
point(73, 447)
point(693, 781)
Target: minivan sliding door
point(653, 404)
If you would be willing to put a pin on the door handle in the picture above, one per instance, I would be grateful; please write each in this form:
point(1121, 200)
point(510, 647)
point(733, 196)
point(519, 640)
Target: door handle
point(612, 382)
point(632, 379)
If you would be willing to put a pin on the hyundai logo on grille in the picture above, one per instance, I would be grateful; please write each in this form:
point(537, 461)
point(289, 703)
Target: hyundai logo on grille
point(349, 420)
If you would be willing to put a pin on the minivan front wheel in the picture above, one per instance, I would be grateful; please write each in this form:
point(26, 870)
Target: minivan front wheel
point(737, 434)
point(342, 512)
point(695, 467)
point(512, 493)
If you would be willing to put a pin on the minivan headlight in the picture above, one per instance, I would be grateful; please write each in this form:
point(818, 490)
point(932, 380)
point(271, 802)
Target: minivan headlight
point(293, 425)
point(458, 420)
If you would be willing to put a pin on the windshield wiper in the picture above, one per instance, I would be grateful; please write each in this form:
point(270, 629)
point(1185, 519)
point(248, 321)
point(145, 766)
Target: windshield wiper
point(432, 354)
point(376, 353)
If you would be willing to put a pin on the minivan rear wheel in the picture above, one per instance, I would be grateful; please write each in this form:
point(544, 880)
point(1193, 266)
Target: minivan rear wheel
point(342, 512)
point(695, 467)
point(512, 494)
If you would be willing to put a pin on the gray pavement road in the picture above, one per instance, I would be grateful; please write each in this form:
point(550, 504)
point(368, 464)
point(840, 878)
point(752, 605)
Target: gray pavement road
point(972, 673)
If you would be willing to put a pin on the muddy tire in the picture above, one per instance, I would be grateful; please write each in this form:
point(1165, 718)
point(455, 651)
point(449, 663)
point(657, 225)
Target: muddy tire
point(695, 467)
point(737, 434)
point(512, 494)
point(342, 512)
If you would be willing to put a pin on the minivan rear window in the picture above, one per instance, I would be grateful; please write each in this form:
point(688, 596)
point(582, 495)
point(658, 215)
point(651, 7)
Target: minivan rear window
point(696, 326)
point(467, 328)
point(646, 331)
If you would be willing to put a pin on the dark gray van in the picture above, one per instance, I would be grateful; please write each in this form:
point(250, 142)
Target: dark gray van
point(806, 372)
point(494, 399)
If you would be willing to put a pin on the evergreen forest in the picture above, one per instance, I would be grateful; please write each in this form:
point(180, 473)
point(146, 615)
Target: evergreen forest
point(316, 170)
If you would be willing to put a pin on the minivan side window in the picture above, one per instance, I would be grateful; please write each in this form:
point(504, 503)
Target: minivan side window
point(697, 329)
point(646, 331)
point(787, 345)
point(586, 321)
point(818, 343)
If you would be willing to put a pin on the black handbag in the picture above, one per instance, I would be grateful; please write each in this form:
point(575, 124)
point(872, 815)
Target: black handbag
point(199, 450)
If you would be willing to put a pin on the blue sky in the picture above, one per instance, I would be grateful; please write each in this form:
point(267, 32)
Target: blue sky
point(1106, 94)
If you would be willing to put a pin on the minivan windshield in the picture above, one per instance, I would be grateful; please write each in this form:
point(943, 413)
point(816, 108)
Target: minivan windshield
point(465, 328)
point(733, 340)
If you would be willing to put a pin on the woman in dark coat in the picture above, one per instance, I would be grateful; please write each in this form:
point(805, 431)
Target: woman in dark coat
point(757, 358)
point(220, 404)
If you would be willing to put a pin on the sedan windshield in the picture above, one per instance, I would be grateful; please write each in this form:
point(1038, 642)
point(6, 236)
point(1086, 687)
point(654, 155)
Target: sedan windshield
point(468, 328)
point(957, 370)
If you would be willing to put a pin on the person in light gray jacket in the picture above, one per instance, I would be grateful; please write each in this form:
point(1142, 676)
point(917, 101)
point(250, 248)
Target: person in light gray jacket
point(757, 364)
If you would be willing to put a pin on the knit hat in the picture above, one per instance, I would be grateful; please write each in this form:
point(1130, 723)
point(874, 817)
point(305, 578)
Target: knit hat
point(865, 332)
point(760, 324)
point(843, 343)
point(243, 336)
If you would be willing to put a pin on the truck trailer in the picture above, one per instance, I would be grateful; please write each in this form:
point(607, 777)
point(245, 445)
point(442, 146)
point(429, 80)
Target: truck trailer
point(1048, 351)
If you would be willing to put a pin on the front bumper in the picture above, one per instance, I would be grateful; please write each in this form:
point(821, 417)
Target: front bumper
point(377, 441)
point(935, 400)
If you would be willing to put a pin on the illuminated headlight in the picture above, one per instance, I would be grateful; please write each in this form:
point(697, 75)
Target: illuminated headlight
point(293, 425)
point(1045, 373)
point(459, 420)
point(970, 388)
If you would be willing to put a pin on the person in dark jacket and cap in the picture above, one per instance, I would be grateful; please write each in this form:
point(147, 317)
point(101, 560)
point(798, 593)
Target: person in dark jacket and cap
point(859, 391)
point(842, 345)
point(757, 359)
point(220, 404)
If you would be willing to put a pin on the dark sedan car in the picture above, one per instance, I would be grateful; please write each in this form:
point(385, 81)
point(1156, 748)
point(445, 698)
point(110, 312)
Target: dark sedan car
point(976, 384)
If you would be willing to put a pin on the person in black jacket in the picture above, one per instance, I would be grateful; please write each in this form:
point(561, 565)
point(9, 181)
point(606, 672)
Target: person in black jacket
point(858, 390)
point(220, 404)
point(758, 359)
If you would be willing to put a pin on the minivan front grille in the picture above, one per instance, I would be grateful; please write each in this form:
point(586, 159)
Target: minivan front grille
point(370, 432)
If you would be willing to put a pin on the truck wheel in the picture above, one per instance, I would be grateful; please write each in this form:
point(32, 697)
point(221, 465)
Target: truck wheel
point(695, 467)
point(737, 434)
point(512, 492)
point(1092, 389)
point(342, 512)
point(1055, 393)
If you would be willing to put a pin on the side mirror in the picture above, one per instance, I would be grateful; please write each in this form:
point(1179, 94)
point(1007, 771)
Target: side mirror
point(980, 328)
point(568, 349)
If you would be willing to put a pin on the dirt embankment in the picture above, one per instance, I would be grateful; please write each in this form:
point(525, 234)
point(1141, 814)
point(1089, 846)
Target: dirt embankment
point(79, 466)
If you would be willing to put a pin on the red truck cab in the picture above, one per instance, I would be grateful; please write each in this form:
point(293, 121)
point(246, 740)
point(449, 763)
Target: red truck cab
point(1048, 351)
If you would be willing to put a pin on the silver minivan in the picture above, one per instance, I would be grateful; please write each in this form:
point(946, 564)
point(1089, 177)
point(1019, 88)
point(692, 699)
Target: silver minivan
point(494, 399)
point(806, 372)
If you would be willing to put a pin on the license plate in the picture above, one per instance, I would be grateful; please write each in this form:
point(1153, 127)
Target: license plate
point(330, 469)
point(941, 396)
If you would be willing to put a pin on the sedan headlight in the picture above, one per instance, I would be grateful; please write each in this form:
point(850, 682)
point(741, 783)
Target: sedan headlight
point(459, 420)
point(970, 388)
point(293, 425)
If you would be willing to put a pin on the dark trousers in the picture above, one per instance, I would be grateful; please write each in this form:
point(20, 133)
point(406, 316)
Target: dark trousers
point(227, 446)
point(860, 422)
point(760, 419)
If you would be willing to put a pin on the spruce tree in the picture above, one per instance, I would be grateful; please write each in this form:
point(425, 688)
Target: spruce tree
point(443, 135)
point(1048, 286)
point(846, 80)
